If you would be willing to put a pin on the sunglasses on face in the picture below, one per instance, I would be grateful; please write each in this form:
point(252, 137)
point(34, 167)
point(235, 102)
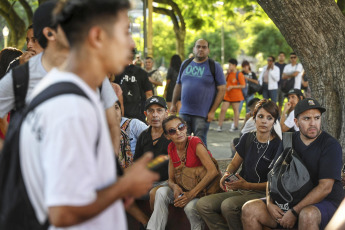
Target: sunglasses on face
point(269, 60)
point(180, 128)
point(293, 57)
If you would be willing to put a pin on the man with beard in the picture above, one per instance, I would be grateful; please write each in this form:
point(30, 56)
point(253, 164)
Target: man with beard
point(33, 48)
point(322, 155)
point(287, 118)
point(200, 89)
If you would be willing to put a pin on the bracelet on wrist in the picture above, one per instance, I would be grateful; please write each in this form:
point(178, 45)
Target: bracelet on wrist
point(294, 212)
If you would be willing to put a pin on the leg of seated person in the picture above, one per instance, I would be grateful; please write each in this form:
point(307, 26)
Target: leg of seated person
point(255, 216)
point(309, 218)
point(135, 211)
point(195, 220)
point(231, 207)
point(153, 195)
point(159, 217)
point(209, 208)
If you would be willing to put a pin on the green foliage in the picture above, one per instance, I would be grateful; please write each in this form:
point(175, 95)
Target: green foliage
point(231, 45)
point(267, 40)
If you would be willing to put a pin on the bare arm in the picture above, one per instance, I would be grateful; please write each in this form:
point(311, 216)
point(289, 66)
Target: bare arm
point(153, 81)
point(176, 96)
point(136, 181)
point(3, 125)
point(166, 88)
point(148, 94)
point(217, 101)
point(114, 128)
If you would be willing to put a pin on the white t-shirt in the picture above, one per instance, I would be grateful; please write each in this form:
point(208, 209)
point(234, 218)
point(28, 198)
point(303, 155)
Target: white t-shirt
point(289, 122)
point(37, 72)
point(289, 69)
point(59, 159)
point(134, 129)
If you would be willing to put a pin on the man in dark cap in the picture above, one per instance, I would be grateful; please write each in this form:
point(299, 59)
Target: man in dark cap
point(287, 122)
point(322, 156)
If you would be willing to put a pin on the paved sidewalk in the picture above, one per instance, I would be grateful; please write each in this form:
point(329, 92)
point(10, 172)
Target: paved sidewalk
point(219, 142)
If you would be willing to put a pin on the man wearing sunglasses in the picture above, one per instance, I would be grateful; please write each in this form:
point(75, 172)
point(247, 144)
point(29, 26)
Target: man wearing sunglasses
point(293, 71)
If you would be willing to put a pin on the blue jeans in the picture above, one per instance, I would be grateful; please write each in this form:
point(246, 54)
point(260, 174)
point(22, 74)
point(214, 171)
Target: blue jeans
point(267, 94)
point(247, 99)
point(197, 125)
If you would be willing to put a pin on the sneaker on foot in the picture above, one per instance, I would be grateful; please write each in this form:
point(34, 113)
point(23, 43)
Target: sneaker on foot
point(219, 129)
point(233, 129)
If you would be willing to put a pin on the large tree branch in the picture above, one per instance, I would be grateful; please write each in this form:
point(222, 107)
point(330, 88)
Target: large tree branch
point(169, 13)
point(27, 9)
point(176, 9)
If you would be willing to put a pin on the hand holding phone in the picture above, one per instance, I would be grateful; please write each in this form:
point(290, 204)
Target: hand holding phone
point(231, 178)
point(158, 163)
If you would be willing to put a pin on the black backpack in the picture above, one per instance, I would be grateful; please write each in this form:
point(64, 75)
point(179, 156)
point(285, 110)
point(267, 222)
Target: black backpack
point(16, 211)
point(20, 78)
point(289, 180)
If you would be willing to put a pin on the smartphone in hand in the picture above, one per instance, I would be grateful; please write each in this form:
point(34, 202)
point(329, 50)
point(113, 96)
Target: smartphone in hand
point(231, 178)
point(158, 163)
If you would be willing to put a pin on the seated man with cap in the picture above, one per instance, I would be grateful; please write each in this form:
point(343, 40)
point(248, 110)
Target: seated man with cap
point(287, 118)
point(322, 156)
point(153, 139)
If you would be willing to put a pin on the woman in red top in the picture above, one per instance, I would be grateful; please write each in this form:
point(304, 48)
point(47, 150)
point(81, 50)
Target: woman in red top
point(182, 150)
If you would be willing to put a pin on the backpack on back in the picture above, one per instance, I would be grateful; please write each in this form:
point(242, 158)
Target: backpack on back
point(16, 210)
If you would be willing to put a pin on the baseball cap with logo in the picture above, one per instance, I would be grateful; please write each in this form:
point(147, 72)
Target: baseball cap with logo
point(297, 92)
point(156, 100)
point(306, 104)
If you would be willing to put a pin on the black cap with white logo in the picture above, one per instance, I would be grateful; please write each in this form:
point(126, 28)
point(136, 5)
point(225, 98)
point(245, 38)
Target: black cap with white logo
point(306, 104)
point(156, 100)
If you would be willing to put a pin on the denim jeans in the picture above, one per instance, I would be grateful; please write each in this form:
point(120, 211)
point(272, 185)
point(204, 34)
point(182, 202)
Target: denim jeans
point(269, 94)
point(197, 125)
point(247, 99)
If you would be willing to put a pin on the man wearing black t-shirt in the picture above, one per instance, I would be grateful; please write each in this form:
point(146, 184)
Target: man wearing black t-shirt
point(322, 155)
point(281, 64)
point(136, 88)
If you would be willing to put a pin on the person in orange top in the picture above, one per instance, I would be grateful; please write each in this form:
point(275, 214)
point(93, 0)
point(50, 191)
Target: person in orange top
point(233, 95)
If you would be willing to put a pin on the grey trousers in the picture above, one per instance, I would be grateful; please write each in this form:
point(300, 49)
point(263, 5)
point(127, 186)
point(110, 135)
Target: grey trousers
point(223, 210)
point(159, 217)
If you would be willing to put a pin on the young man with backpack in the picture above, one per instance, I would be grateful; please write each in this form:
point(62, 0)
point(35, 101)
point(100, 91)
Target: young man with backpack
point(201, 87)
point(66, 156)
point(322, 156)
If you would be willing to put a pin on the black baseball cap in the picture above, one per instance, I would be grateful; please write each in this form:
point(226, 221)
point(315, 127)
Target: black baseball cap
point(43, 17)
point(297, 92)
point(156, 100)
point(306, 104)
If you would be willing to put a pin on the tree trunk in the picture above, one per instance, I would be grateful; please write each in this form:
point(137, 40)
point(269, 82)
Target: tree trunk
point(180, 37)
point(316, 32)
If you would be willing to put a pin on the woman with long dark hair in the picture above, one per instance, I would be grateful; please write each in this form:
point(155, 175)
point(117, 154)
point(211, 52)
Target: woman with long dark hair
point(173, 71)
point(254, 152)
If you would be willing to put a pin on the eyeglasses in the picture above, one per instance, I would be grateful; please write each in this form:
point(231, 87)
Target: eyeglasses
point(159, 111)
point(269, 60)
point(293, 57)
point(180, 128)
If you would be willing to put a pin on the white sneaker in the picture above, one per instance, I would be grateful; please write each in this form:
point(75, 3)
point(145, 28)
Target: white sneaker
point(233, 129)
point(219, 129)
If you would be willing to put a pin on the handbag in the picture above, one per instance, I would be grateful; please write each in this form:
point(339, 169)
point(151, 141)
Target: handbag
point(289, 180)
point(187, 178)
point(287, 85)
point(253, 88)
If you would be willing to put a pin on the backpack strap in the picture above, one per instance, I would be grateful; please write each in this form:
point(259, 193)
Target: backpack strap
point(287, 140)
point(212, 64)
point(185, 64)
point(238, 82)
point(20, 78)
point(125, 125)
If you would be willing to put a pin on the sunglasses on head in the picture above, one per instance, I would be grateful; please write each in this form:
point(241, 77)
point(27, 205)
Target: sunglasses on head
point(180, 128)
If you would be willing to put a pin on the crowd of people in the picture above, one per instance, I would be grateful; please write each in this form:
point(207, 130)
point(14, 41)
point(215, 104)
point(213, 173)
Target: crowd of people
point(85, 151)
